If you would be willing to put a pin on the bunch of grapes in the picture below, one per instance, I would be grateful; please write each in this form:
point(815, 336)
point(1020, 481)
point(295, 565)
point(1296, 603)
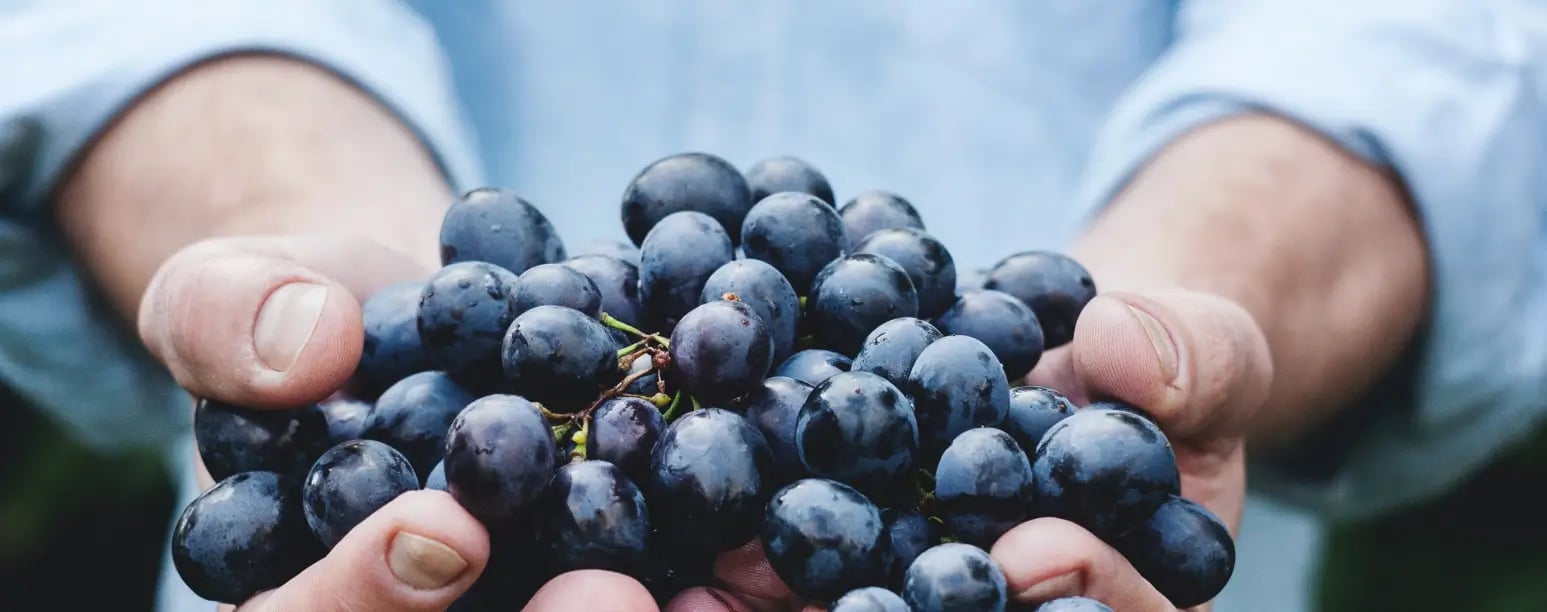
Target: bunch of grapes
point(755, 363)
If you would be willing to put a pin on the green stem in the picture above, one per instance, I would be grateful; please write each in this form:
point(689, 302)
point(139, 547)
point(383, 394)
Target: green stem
point(625, 351)
point(661, 400)
point(671, 411)
point(552, 416)
point(613, 322)
point(561, 431)
point(580, 437)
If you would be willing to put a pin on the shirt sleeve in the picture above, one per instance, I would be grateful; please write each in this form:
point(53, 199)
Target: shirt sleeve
point(1450, 95)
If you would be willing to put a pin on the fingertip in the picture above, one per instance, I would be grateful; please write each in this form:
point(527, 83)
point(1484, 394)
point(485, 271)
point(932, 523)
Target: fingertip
point(1048, 558)
point(599, 590)
point(746, 571)
point(706, 599)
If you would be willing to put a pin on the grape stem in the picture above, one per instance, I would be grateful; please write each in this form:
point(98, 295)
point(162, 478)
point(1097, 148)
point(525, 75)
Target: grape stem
point(561, 431)
point(552, 416)
point(631, 350)
point(613, 322)
point(579, 438)
point(671, 411)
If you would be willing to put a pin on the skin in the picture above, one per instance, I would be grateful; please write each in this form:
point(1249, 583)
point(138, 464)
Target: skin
point(1236, 239)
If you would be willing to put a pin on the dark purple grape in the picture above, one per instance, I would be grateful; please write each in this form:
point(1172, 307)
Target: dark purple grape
point(437, 477)
point(245, 535)
point(498, 227)
point(856, 294)
point(618, 282)
point(392, 348)
point(779, 174)
point(823, 538)
point(1073, 604)
point(869, 599)
point(233, 439)
point(1033, 411)
point(710, 480)
point(620, 249)
point(556, 285)
point(351, 481)
point(1000, 321)
point(858, 429)
point(773, 407)
point(794, 232)
point(926, 260)
point(908, 534)
point(956, 384)
point(891, 349)
point(623, 431)
point(876, 210)
point(1105, 470)
point(413, 415)
point(676, 259)
point(696, 182)
point(346, 418)
point(1183, 550)
point(955, 577)
point(593, 517)
point(1129, 408)
point(1053, 285)
point(983, 486)
point(812, 366)
point(560, 357)
point(759, 285)
point(720, 351)
point(463, 313)
point(499, 457)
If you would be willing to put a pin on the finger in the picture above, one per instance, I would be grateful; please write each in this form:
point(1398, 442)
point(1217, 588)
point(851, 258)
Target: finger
point(419, 552)
point(745, 571)
point(265, 321)
point(1048, 558)
point(1055, 370)
point(707, 599)
point(592, 590)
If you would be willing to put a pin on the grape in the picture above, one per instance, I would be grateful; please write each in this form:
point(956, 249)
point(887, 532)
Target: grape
point(1183, 550)
point(498, 227)
point(463, 313)
point(1033, 411)
point(759, 285)
point(908, 533)
point(560, 357)
point(876, 210)
point(956, 384)
point(824, 538)
point(1123, 407)
point(618, 282)
point(392, 349)
point(856, 294)
point(858, 429)
point(437, 477)
point(1073, 604)
point(983, 485)
point(499, 457)
point(413, 415)
point(234, 439)
point(346, 418)
point(928, 264)
point(795, 233)
point(869, 599)
point(1054, 286)
point(780, 174)
point(970, 280)
point(649, 384)
point(623, 430)
point(556, 285)
point(1105, 470)
point(676, 259)
point(773, 407)
point(593, 517)
point(812, 366)
point(244, 535)
point(696, 182)
point(351, 481)
point(720, 351)
point(1000, 321)
point(709, 480)
point(620, 249)
point(952, 577)
point(891, 349)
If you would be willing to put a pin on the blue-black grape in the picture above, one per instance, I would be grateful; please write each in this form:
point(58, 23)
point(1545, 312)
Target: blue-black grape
point(464, 311)
point(556, 285)
point(983, 485)
point(618, 282)
point(823, 538)
point(773, 407)
point(245, 535)
point(499, 457)
point(720, 351)
point(852, 296)
point(955, 577)
point(928, 264)
point(413, 415)
point(593, 517)
point(858, 429)
point(1183, 550)
point(812, 366)
point(908, 534)
point(759, 285)
point(351, 481)
point(1000, 321)
point(710, 478)
point(891, 349)
point(786, 173)
point(676, 259)
point(794, 232)
point(1073, 604)
point(497, 226)
point(623, 431)
point(876, 210)
point(696, 182)
point(869, 599)
point(392, 349)
point(1033, 411)
point(620, 249)
point(234, 439)
point(1105, 470)
point(1054, 285)
point(346, 418)
point(560, 357)
point(956, 384)
point(437, 478)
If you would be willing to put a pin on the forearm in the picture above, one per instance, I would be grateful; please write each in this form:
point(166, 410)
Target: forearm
point(1320, 248)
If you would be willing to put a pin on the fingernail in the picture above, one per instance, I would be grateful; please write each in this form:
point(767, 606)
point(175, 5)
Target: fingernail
point(285, 323)
point(423, 563)
point(1165, 351)
point(1062, 585)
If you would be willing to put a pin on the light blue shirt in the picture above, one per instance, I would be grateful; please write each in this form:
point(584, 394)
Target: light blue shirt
point(1005, 122)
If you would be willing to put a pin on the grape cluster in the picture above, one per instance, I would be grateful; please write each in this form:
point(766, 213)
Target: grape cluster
point(756, 362)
